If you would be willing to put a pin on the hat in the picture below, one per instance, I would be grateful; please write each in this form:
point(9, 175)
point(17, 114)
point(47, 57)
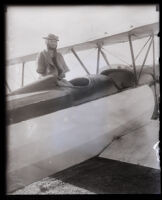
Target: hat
point(51, 37)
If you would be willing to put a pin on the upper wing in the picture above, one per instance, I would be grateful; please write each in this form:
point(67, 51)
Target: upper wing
point(136, 33)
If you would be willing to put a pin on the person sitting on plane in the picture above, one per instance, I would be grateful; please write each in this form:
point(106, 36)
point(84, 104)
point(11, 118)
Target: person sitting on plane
point(51, 62)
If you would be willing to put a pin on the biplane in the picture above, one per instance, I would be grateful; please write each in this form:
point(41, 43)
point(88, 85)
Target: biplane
point(50, 128)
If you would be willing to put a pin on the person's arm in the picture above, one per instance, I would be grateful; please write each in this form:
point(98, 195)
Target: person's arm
point(61, 75)
point(41, 67)
point(64, 67)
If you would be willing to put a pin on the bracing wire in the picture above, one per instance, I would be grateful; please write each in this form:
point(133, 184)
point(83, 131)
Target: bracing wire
point(145, 59)
point(142, 48)
point(117, 57)
point(91, 51)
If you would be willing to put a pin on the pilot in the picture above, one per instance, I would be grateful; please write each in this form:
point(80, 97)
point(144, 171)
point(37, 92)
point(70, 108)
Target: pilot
point(50, 62)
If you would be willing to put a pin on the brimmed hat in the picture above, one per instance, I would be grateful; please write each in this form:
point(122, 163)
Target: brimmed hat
point(51, 37)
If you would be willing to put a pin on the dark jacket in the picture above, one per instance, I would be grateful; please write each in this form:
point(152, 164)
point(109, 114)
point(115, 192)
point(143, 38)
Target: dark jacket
point(46, 66)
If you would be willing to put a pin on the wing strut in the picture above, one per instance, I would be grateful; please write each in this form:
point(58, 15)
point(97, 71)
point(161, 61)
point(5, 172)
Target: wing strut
point(84, 67)
point(22, 80)
point(98, 58)
point(105, 58)
point(133, 59)
point(9, 89)
point(145, 59)
point(156, 97)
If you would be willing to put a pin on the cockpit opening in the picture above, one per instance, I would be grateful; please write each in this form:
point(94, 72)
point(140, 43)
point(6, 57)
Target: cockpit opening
point(80, 82)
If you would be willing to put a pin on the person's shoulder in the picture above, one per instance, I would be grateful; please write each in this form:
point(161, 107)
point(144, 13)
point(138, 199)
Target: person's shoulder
point(41, 53)
point(59, 54)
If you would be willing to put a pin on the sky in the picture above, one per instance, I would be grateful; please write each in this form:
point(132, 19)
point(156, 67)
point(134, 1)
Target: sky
point(26, 25)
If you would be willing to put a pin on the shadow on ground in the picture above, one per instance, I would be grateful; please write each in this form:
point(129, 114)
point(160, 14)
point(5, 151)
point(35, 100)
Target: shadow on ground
point(105, 176)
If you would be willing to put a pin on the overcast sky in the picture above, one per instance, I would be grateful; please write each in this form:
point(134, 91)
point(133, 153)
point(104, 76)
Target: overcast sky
point(73, 24)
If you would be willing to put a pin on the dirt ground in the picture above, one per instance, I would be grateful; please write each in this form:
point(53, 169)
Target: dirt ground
point(52, 186)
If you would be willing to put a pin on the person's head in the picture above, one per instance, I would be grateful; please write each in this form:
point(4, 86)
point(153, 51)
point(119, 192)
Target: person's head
point(51, 41)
